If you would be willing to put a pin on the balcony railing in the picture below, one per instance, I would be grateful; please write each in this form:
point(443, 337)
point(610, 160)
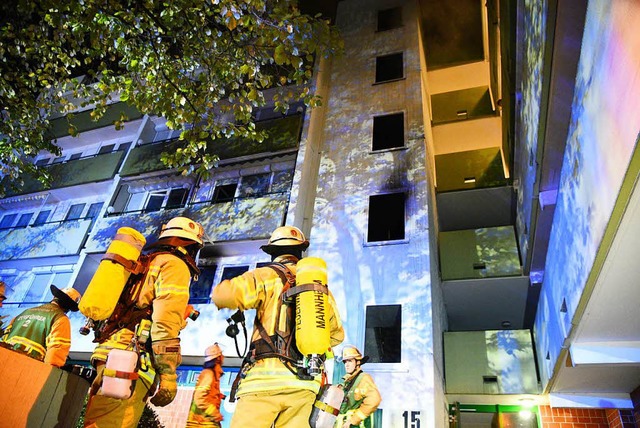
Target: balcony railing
point(479, 253)
point(46, 240)
point(490, 362)
point(239, 219)
point(282, 134)
point(83, 121)
point(89, 169)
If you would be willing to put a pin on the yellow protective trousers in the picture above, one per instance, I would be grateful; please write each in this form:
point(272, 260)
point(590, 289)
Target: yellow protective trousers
point(285, 408)
point(107, 412)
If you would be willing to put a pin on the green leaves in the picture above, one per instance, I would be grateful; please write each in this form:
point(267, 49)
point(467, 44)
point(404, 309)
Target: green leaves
point(188, 62)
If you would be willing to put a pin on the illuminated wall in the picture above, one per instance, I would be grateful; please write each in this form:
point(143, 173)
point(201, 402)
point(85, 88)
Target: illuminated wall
point(602, 136)
point(361, 273)
point(534, 16)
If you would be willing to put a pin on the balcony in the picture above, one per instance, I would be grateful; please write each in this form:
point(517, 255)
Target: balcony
point(46, 240)
point(71, 173)
point(83, 121)
point(282, 134)
point(490, 362)
point(237, 220)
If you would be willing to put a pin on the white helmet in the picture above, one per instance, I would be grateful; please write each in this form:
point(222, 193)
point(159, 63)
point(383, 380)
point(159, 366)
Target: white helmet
point(183, 227)
point(212, 352)
point(286, 236)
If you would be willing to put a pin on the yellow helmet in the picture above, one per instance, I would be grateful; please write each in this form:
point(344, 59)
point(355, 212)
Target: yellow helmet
point(68, 297)
point(286, 236)
point(350, 352)
point(183, 227)
point(212, 352)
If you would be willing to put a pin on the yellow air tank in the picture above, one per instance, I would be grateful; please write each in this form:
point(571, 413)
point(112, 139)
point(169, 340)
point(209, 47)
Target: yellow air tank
point(312, 315)
point(103, 292)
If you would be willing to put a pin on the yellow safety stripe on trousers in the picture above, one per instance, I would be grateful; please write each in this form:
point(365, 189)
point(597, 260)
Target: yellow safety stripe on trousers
point(28, 345)
point(270, 374)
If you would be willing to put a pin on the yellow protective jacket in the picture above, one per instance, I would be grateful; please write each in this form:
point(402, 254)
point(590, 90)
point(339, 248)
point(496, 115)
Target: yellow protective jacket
point(43, 333)
point(361, 400)
point(205, 405)
point(260, 289)
point(166, 289)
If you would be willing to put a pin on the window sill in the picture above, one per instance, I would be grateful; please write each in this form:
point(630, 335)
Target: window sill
point(389, 81)
point(390, 242)
point(391, 149)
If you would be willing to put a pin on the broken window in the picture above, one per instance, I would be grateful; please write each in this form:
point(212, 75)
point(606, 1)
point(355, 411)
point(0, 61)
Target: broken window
point(386, 217)
point(224, 192)
point(382, 336)
point(388, 131)
point(388, 19)
point(389, 67)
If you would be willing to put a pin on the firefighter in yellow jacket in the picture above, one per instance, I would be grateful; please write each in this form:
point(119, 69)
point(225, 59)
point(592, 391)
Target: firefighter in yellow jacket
point(205, 404)
point(271, 390)
point(44, 332)
point(163, 298)
point(361, 396)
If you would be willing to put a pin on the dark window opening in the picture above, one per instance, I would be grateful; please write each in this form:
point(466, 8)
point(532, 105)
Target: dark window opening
point(388, 131)
point(124, 147)
point(75, 212)
point(201, 289)
point(386, 217)
point(106, 149)
point(224, 193)
point(24, 220)
point(389, 19)
point(263, 264)
point(382, 337)
point(177, 198)
point(389, 67)
point(42, 217)
point(58, 160)
point(233, 271)
point(41, 162)
point(154, 203)
point(75, 156)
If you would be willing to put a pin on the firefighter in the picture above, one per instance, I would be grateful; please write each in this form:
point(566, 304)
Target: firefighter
point(163, 300)
point(44, 332)
point(205, 405)
point(361, 396)
point(271, 391)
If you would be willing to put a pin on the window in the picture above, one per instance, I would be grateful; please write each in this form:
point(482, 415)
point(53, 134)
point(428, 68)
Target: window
point(388, 131)
point(201, 289)
point(108, 148)
point(282, 181)
point(94, 210)
point(42, 217)
point(382, 336)
point(75, 212)
point(224, 192)
point(386, 217)
point(7, 221)
point(40, 291)
point(124, 147)
point(233, 271)
point(58, 160)
point(254, 185)
point(168, 198)
point(389, 19)
point(24, 220)
point(75, 156)
point(42, 161)
point(389, 67)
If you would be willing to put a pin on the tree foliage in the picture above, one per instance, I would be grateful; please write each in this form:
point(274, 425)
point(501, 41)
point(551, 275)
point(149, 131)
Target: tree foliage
point(204, 66)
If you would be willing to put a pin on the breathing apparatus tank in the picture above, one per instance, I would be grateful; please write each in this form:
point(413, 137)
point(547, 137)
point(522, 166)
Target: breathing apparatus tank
point(107, 284)
point(313, 336)
point(327, 407)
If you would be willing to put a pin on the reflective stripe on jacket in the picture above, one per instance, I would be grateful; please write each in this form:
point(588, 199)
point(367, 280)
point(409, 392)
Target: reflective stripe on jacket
point(43, 333)
point(166, 289)
point(260, 289)
point(362, 398)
